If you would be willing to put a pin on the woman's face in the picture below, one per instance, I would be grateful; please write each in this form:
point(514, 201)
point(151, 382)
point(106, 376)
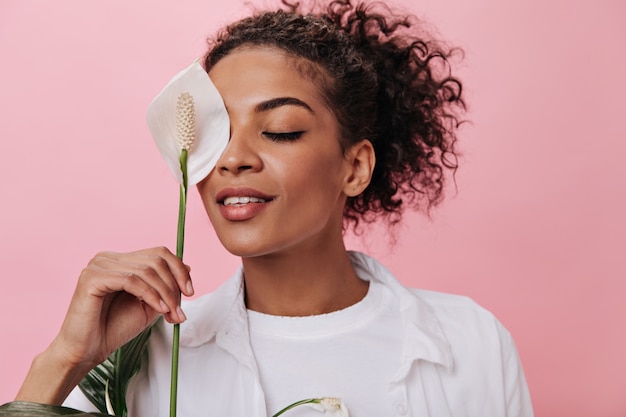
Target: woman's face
point(279, 185)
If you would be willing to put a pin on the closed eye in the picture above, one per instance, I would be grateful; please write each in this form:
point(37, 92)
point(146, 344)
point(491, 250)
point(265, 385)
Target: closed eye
point(283, 136)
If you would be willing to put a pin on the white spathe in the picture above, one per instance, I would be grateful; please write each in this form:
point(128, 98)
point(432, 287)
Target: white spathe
point(332, 405)
point(212, 123)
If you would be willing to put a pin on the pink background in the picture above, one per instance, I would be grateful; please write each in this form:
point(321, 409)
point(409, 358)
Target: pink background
point(535, 232)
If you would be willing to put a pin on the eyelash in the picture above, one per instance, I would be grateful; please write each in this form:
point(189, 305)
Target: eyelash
point(283, 137)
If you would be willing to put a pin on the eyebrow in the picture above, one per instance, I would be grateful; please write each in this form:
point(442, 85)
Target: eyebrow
point(279, 102)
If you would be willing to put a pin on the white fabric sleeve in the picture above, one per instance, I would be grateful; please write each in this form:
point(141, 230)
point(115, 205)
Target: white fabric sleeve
point(517, 396)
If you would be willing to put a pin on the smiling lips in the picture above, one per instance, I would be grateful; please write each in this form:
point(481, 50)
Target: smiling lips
point(235, 201)
point(241, 204)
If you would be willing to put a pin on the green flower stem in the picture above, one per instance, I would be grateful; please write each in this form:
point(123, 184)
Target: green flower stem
point(180, 237)
point(296, 404)
point(180, 241)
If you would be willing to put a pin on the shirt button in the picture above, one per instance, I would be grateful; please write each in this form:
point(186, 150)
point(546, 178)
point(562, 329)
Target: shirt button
point(401, 409)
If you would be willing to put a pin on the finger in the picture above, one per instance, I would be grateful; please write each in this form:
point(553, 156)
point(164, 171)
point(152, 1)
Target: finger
point(137, 285)
point(105, 281)
point(155, 274)
point(143, 262)
point(178, 269)
point(154, 264)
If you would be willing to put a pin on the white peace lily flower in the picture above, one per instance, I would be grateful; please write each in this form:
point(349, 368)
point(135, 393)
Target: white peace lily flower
point(190, 126)
point(331, 404)
point(325, 404)
point(212, 125)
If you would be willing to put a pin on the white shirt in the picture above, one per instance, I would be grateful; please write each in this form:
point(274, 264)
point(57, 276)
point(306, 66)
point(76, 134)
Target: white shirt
point(351, 354)
point(457, 360)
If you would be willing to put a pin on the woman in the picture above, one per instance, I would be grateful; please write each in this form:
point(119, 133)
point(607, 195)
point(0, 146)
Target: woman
point(339, 117)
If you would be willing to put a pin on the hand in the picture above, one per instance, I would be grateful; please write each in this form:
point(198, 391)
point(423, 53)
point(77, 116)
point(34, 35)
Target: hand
point(117, 296)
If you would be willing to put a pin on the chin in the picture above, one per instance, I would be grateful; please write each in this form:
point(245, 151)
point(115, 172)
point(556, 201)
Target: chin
point(248, 248)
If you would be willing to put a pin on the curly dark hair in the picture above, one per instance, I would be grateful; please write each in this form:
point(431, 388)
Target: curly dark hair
point(385, 79)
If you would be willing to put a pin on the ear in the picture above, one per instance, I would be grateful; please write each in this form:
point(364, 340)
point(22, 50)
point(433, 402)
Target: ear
point(361, 160)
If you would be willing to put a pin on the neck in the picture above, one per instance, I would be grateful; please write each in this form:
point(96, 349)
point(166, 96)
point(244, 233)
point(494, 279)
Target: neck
point(302, 283)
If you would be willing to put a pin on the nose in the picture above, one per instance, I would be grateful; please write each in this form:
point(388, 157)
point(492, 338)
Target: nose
point(240, 155)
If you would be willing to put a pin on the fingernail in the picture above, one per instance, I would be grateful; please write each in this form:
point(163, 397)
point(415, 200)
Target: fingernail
point(164, 306)
point(180, 313)
point(189, 288)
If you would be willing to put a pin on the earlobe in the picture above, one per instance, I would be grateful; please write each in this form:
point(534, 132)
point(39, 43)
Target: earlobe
point(362, 159)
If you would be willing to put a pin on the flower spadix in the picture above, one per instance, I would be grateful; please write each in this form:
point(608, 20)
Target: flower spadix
point(207, 127)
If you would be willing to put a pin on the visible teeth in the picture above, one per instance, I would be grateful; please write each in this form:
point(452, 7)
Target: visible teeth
point(232, 201)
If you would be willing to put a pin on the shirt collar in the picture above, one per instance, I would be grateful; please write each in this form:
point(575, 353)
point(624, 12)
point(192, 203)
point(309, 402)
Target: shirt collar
point(214, 312)
point(424, 338)
point(222, 315)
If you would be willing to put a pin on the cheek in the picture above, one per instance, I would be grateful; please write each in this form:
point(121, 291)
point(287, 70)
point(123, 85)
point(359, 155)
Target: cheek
point(201, 187)
point(315, 180)
point(205, 192)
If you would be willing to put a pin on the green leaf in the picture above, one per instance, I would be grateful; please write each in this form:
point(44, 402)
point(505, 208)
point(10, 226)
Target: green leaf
point(28, 409)
point(116, 370)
